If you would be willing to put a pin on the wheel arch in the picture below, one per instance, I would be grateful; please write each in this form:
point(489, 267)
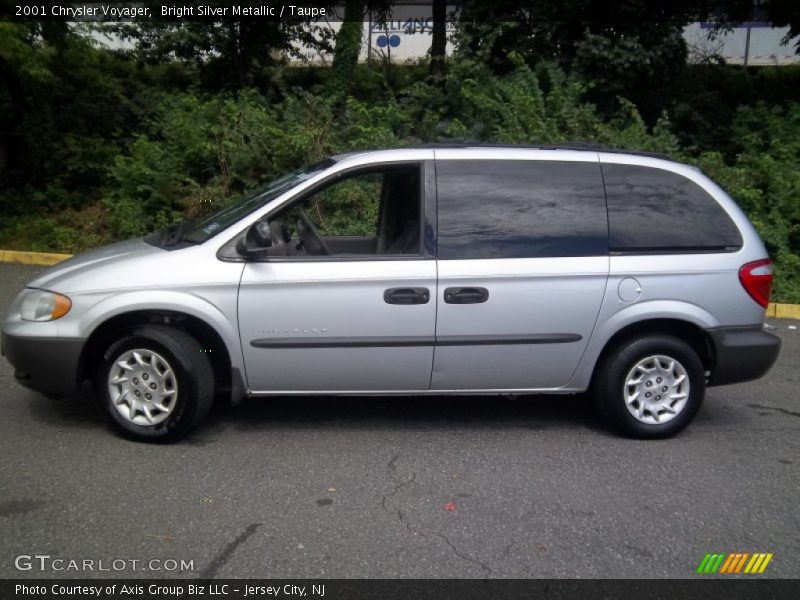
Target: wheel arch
point(225, 374)
point(693, 334)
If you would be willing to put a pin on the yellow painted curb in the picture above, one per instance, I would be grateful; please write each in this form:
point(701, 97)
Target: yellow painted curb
point(785, 311)
point(32, 258)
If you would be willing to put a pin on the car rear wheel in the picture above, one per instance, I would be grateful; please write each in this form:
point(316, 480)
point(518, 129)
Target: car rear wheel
point(650, 387)
point(155, 383)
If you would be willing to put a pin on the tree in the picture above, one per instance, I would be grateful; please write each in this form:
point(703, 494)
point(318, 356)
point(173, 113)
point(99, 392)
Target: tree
point(347, 48)
point(61, 102)
point(632, 49)
point(781, 13)
point(439, 38)
point(785, 13)
point(229, 53)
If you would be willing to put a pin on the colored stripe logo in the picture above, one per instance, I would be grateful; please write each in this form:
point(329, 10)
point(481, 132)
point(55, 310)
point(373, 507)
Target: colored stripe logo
point(736, 562)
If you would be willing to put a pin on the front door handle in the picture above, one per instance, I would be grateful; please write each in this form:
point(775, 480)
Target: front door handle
point(406, 295)
point(466, 295)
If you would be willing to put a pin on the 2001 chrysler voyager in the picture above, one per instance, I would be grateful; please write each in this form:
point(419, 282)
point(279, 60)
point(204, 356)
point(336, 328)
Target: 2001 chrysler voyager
point(441, 270)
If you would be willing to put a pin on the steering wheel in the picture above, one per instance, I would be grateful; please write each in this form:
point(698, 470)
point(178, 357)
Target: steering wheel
point(278, 237)
point(312, 240)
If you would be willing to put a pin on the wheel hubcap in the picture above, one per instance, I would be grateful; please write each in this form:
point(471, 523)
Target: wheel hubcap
point(656, 389)
point(142, 387)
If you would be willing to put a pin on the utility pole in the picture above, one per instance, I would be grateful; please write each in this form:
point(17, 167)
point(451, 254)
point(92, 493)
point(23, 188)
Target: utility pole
point(747, 45)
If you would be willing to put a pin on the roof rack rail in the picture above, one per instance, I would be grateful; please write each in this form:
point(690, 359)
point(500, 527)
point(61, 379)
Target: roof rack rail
point(576, 145)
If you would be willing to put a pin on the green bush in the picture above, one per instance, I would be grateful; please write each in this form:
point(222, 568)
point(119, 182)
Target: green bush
point(764, 179)
point(174, 154)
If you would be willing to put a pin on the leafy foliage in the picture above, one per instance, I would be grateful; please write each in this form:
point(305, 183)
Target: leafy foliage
point(349, 207)
point(108, 147)
point(764, 178)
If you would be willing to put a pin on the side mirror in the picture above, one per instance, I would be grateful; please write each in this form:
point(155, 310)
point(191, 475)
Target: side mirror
point(256, 240)
point(259, 235)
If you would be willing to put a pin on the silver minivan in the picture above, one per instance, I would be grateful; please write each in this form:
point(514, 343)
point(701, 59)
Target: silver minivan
point(440, 270)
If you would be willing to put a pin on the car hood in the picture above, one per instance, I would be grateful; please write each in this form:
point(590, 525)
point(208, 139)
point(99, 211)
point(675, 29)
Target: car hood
point(85, 270)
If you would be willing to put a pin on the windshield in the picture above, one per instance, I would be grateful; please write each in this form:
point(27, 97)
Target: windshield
point(197, 231)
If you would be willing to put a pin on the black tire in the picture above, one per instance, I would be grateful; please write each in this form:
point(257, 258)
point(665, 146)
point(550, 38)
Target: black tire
point(609, 389)
point(193, 381)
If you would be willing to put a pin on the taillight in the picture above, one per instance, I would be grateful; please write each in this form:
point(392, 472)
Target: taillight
point(756, 278)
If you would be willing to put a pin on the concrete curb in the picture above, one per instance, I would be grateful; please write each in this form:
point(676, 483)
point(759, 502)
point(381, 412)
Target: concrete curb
point(776, 311)
point(32, 258)
point(783, 311)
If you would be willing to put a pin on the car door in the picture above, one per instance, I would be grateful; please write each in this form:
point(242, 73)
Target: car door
point(360, 319)
point(523, 264)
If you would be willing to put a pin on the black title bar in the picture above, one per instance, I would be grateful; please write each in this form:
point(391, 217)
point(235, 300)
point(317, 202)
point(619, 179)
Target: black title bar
point(500, 11)
point(733, 588)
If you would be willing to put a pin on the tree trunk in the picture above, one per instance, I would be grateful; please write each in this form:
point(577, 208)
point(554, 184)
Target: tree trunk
point(348, 47)
point(439, 38)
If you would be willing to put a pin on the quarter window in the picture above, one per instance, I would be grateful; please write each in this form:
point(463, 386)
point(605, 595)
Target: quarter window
point(655, 210)
point(520, 209)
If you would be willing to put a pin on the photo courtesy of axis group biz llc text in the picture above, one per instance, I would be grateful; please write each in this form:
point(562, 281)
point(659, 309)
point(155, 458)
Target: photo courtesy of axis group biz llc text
point(166, 590)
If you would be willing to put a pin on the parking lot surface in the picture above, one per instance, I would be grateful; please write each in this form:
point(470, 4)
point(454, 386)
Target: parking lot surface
point(402, 487)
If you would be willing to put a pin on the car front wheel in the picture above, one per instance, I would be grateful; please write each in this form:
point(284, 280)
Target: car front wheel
point(155, 383)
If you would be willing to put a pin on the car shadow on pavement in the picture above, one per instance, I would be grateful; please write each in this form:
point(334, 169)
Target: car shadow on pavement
point(568, 412)
point(417, 412)
point(446, 413)
point(78, 410)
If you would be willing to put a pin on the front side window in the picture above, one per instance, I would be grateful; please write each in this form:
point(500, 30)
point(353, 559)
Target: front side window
point(348, 207)
point(520, 209)
point(655, 210)
point(376, 211)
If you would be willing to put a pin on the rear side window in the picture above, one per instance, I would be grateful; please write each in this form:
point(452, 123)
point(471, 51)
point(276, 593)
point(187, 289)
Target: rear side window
point(520, 209)
point(655, 210)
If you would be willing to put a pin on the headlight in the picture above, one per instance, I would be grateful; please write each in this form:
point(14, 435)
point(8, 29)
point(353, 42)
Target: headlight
point(41, 305)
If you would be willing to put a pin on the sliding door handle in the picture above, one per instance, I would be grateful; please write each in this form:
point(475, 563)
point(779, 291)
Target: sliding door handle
point(466, 295)
point(406, 296)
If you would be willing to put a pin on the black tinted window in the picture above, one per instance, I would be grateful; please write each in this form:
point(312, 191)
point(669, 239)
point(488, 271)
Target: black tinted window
point(520, 209)
point(651, 209)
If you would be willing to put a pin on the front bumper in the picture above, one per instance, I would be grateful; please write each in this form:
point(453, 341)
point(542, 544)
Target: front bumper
point(742, 353)
point(47, 365)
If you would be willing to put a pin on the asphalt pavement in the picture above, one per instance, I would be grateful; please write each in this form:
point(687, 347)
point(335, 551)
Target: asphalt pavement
point(400, 487)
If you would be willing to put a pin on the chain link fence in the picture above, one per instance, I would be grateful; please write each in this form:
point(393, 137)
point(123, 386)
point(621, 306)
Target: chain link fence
point(406, 37)
point(403, 35)
point(753, 44)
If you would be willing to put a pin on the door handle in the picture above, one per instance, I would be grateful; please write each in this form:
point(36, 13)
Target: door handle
point(466, 295)
point(405, 295)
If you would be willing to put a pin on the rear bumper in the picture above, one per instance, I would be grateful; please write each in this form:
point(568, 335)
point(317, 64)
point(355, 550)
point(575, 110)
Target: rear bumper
point(47, 365)
point(742, 353)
